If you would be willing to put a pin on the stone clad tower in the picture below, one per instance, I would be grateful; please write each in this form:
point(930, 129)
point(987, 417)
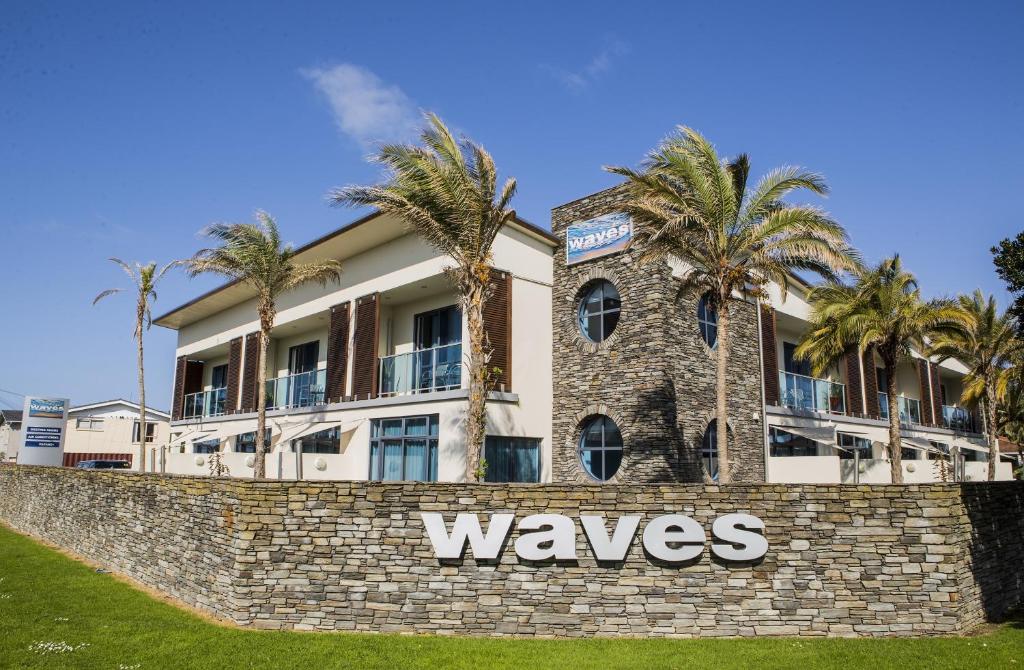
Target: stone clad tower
point(634, 388)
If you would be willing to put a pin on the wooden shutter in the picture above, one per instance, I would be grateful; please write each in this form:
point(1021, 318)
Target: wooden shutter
point(234, 375)
point(937, 398)
point(193, 377)
point(871, 385)
point(769, 356)
point(179, 388)
point(337, 352)
point(498, 328)
point(927, 414)
point(364, 347)
point(854, 390)
point(252, 356)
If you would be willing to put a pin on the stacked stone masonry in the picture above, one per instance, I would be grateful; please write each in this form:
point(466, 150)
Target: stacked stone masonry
point(655, 376)
point(842, 561)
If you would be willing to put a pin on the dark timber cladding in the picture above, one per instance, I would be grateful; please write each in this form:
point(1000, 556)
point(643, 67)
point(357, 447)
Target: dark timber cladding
point(252, 357)
point(854, 390)
point(234, 374)
point(926, 392)
point(871, 389)
point(179, 388)
point(936, 393)
point(770, 356)
point(337, 352)
point(364, 346)
point(193, 377)
point(498, 327)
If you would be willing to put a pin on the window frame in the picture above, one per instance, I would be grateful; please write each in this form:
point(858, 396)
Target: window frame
point(582, 316)
point(150, 431)
point(517, 445)
point(709, 449)
point(603, 449)
point(93, 422)
point(378, 440)
point(776, 447)
point(704, 323)
point(846, 451)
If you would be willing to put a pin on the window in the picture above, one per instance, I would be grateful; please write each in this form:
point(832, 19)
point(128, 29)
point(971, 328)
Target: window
point(303, 357)
point(438, 328)
point(707, 319)
point(848, 443)
point(150, 431)
point(322, 442)
point(246, 442)
point(943, 450)
point(219, 377)
point(709, 449)
point(512, 459)
point(973, 455)
point(404, 449)
point(599, 311)
point(93, 423)
point(784, 443)
point(908, 454)
point(790, 362)
point(601, 447)
point(206, 447)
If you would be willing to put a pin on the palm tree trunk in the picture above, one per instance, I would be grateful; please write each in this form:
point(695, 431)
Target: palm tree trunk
point(895, 448)
point(993, 432)
point(260, 471)
point(476, 418)
point(140, 364)
point(721, 408)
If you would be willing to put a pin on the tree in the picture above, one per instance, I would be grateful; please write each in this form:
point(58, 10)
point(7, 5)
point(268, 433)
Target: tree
point(252, 253)
point(688, 203)
point(880, 311)
point(1008, 257)
point(145, 279)
point(986, 343)
point(446, 191)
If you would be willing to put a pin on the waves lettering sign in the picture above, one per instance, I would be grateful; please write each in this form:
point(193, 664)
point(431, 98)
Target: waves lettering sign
point(43, 426)
point(600, 236)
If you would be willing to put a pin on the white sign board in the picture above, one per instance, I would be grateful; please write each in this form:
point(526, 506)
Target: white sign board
point(43, 426)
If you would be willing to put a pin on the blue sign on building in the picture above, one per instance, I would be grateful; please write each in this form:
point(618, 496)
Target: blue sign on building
point(40, 436)
point(600, 236)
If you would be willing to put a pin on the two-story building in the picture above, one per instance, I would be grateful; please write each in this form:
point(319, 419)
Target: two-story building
point(365, 377)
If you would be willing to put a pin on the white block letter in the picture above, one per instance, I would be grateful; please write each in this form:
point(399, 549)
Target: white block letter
point(561, 537)
point(614, 548)
point(738, 529)
point(688, 533)
point(467, 526)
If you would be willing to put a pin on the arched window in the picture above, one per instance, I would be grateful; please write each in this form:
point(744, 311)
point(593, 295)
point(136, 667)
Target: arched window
point(707, 319)
point(600, 447)
point(599, 310)
point(709, 449)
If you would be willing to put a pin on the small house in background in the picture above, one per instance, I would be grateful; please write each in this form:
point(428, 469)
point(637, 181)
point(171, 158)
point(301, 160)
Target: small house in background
point(111, 430)
point(10, 433)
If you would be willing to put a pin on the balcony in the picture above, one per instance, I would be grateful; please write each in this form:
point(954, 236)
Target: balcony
point(422, 371)
point(815, 395)
point(205, 403)
point(910, 409)
point(958, 419)
point(304, 389)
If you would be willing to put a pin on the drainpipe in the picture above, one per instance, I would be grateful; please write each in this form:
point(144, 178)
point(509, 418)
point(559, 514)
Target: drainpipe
point(764, 409)
point(863, 386)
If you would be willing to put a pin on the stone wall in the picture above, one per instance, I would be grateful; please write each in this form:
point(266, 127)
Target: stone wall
point(655, 376)
point(884, 560)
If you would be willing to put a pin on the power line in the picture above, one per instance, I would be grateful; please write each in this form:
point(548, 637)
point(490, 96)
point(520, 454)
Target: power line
point(20, 395)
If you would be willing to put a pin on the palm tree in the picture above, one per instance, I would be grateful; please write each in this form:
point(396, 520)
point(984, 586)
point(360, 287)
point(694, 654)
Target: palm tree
point(986, 344)
point(688, 203)
point(446, 191)
point(880, 311)
point(145, 279)
point(252, 253)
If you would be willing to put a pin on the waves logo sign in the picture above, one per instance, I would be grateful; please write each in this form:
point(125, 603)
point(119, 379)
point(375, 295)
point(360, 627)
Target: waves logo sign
point(46, 409)
point(607, 234)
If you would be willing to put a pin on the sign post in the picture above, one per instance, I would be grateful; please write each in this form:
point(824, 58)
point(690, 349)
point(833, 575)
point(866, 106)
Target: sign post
point(43, 425)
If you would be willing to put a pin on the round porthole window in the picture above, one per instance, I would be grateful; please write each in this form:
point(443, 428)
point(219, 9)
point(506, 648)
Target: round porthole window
point(599, 310)
point(600, 447)
point(707, 320)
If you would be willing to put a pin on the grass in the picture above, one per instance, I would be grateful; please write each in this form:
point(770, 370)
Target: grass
point(101, 622)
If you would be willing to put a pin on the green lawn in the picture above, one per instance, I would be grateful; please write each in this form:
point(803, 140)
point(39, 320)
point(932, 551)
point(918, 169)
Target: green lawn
point(48, 598)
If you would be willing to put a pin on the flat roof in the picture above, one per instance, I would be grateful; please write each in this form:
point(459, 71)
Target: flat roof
point(388, 228)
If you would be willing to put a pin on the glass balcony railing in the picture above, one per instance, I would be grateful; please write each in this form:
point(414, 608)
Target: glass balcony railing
point(205, 403)
point(910, 409)
point(808, 393)
point(423, 371)
point(299, 390)
point(958, 418)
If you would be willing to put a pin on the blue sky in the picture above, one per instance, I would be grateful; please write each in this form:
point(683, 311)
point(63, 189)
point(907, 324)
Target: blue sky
point(125, 128)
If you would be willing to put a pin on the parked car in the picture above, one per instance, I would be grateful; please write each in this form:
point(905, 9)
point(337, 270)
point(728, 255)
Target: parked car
point(104, 465)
